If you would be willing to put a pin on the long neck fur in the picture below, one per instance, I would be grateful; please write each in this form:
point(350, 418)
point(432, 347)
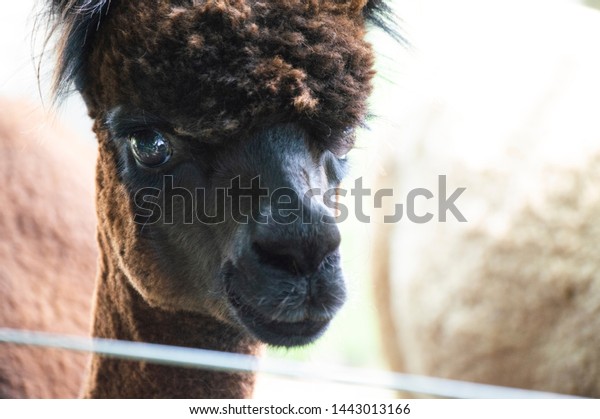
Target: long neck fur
point(121, 313)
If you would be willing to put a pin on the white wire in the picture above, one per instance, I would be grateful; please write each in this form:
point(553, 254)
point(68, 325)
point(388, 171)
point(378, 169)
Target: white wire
point(224, 361)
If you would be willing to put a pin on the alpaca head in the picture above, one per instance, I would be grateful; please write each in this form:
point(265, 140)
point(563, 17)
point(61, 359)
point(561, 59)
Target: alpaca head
point(222, 125)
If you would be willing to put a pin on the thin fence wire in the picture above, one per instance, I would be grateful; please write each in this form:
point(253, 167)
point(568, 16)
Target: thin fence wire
point(223, 361)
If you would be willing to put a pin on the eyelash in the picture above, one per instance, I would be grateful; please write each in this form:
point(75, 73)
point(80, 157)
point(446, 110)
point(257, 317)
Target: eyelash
point(121, 124)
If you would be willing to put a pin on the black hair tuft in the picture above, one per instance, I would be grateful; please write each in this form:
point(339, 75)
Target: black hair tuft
point(77, 21)
point(379, 14)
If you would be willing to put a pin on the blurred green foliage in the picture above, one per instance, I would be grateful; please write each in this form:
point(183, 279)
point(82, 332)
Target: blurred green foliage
point(592, 3)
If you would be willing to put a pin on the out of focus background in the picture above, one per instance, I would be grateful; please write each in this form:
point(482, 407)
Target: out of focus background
point(355, 337)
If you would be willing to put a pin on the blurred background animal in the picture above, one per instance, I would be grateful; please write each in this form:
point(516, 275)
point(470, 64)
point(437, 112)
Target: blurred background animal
point(505, 105)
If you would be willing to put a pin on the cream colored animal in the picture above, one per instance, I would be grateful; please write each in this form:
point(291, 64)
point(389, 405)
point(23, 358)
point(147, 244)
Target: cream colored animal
point(505, 101)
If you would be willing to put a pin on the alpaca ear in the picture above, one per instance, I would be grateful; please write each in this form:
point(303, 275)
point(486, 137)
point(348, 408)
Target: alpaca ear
point(379, 14)
point(76, 22)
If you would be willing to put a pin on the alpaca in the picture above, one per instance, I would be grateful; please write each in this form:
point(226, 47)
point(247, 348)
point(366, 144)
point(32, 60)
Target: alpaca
point(216, 123)
point(510, 296)
point(46, 249)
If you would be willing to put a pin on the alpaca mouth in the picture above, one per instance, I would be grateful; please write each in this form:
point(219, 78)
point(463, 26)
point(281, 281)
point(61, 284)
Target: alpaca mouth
point(274, 332)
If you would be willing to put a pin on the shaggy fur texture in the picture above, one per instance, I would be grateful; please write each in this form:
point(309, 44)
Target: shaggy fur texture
point(238, 88)
point(209, 69)
point(47, 251)
point(511, 296)
point(121, 312)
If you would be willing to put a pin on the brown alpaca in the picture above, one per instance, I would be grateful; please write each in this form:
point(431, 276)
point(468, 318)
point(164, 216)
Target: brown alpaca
point(47, 251)
point(197, 101)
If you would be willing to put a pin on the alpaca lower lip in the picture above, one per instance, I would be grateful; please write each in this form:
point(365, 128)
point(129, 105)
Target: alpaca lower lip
point(277, 333)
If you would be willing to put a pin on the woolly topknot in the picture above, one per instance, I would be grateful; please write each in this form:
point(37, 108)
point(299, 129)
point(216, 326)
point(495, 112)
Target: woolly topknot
point(78, 21)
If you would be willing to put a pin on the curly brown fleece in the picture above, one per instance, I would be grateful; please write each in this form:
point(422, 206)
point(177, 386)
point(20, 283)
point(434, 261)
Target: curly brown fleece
point(221, 68)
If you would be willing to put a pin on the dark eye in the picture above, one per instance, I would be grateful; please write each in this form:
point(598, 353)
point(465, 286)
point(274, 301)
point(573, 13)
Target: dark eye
point(150, 148)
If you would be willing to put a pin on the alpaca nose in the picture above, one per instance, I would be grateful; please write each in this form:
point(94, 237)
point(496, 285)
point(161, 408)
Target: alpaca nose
point(298, 248)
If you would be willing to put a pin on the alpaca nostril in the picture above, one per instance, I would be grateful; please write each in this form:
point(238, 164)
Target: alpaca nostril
point(296, 256)
point(276, 257)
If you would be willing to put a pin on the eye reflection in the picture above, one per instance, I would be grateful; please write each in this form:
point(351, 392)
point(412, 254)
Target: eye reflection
point(150, 148)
